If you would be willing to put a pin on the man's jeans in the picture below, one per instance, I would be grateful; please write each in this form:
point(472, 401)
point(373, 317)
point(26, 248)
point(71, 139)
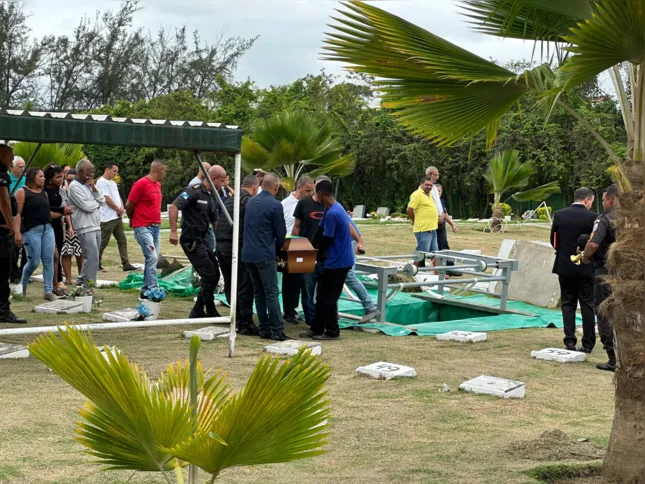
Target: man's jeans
point(265, 286)
point(39, 242)
point(91, 245)
point(148, 239)
point(427, 241)
point(359, 289)
point(308, 302)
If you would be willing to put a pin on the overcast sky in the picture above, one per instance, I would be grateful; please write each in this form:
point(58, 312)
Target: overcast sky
point(291, 31)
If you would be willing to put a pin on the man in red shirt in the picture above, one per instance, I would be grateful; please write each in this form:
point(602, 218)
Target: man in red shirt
point(144, 211)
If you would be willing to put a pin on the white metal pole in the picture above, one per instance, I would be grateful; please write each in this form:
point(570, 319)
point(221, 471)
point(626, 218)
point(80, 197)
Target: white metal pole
point(235, 256)
point(121, 325)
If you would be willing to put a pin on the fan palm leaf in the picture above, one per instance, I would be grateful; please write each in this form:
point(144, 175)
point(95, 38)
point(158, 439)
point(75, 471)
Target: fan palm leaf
point(537, 194)
point(59, 153)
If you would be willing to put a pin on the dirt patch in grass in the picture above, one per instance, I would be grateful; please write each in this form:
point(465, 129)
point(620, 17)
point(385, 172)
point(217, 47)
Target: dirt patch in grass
point(555, 445)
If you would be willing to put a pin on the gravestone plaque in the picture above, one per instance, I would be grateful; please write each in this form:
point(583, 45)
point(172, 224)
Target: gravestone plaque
point(386, 371)
point(463, 336)
point(9, 351)
point(209, 333)
point(60, 307)
point(499, 387)
point(121, 315)
point(359, 211)
point(292, 347)
point(383, 212)
point(561, 356)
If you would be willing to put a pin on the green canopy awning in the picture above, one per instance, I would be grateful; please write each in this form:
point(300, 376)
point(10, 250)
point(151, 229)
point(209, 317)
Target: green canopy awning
point(95, 129)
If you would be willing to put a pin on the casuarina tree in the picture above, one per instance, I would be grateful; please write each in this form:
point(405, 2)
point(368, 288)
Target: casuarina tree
point(449, 94)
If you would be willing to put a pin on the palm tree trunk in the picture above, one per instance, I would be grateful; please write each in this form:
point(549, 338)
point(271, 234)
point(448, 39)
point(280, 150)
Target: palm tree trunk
point(498, 214)
point(625, 458)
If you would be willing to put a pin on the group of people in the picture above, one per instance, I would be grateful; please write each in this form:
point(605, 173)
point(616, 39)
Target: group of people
point(582, 239)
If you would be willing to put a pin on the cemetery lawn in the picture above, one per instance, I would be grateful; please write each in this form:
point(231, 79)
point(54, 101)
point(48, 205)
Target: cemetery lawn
point(384, 432)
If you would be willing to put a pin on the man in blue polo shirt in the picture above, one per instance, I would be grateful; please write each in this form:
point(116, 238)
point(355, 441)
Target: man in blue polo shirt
point(337, 258)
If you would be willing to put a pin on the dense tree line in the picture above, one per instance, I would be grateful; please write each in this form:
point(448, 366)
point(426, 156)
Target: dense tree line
point(178, 78)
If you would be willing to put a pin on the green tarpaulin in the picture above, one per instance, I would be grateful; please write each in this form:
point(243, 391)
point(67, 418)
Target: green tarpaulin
point(178, 284)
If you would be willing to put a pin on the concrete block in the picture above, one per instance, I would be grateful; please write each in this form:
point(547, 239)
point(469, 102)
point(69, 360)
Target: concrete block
point(109, 349)
point(383, 212)
point(100, 284)
point(359, 211)
point(60, 307)
point(121, 315)
point(490, 385)
point(533, 282)
point(561, 356)
point(386, 371)
point(292, 347)
point(209, 333)
point(463, 336)
point(9, 351)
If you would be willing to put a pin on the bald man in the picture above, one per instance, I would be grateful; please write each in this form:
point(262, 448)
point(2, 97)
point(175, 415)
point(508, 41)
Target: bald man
point(86, 201)
point(264, 234)
point(200, 175)
point(144, 211)
point(199, 211)
point(7, 212)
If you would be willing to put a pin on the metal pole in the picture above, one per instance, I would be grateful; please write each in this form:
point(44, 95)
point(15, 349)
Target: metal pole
point(213, 189)
point(449, 282)
point(31, 158)
point(235, 255)
point(121, 325)
point(382, 294)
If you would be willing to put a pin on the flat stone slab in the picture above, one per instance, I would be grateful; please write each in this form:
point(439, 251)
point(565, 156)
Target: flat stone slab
point(9, 351)
point(121, 315)
point(60, 307)
point(292, 347)
point(490, 385)
point(386, 371)
point(99, 283)
point(463, 336)
point(561, 356)
point(209, 333)
point(109, 349)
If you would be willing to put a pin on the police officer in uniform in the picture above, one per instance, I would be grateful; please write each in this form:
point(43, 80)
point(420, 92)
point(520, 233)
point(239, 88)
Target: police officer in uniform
point(199, 212)
point(604, 234)
point(8, 209)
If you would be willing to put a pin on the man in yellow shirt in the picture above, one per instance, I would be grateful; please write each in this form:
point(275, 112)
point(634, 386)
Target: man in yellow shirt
point(425, 216)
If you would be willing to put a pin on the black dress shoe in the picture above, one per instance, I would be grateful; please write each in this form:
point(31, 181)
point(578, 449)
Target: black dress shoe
point(293, 319)
point(129, 268)
point(326, 337)
point(11, 318)
point(609, 366)
point(249, 330)
point(571, 348)
point(307, 334)
point(279, 337)
point(582, 349)
point(265, 334)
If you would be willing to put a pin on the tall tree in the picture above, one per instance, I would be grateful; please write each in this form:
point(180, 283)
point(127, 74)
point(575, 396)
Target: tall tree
point(446, 93)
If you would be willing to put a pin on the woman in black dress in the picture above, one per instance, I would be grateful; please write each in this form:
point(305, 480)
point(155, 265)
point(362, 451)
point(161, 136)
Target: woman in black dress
point(59, 212)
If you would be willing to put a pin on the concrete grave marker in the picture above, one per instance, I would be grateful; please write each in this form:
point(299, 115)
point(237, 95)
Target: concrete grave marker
point(561, 356)
point(9, 351)
point(499, 387)
point(109, 349)
point(100, 284)
point(209, 333)
point(386, 371)
point(292, 347)
point(60, 307)
point(382, 212)
point(121, 315)
point(463, 336)
point(359, 211)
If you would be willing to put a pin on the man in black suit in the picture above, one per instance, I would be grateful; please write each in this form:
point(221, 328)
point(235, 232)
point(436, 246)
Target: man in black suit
point(576, 281)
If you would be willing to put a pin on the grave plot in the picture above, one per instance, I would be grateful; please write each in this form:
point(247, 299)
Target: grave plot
point(292, 347)
point(209, 333)
point(386, 371)
point(60, 307)
point(490, 385)
point(9, 351)
point(561, 356)
point(463, 336)
point(122, 315)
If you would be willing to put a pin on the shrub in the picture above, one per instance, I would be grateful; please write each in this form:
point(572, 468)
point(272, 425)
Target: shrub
point(541, 213)
point(506, 209)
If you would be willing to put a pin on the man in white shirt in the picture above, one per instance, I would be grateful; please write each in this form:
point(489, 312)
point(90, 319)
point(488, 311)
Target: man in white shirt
point(433, 172)
point(111, 222)
point(293, 284)
point(200, 176)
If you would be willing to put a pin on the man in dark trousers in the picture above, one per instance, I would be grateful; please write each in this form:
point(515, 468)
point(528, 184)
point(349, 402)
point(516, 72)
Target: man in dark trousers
point(199, 212)
point(336, 258)
point(8, 209)
point(264, 236)
point(224, 236)
point(604, 234)
point(576, 281)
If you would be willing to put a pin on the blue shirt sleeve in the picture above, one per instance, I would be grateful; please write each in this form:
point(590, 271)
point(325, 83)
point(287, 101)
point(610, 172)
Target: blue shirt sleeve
point(329, 227)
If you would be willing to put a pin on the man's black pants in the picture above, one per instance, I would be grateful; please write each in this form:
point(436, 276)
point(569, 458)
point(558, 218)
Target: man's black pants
point(574, 290)
point(16, 263)
point(205, 264)
point(244, 310)
point(602, 291)
point(6, 256)
point(330, 287)
point(292, 286)
point(442, 240)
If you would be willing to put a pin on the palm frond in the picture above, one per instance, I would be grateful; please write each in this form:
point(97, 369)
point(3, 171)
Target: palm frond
point(537, 194)
point(341, 167)
point(437, 89)
point(58, 153)
point(505, 172)
point(538, 20)
point(281, 415)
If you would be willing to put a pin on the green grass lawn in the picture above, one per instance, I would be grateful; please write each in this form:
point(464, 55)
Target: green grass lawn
point(384, 432)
